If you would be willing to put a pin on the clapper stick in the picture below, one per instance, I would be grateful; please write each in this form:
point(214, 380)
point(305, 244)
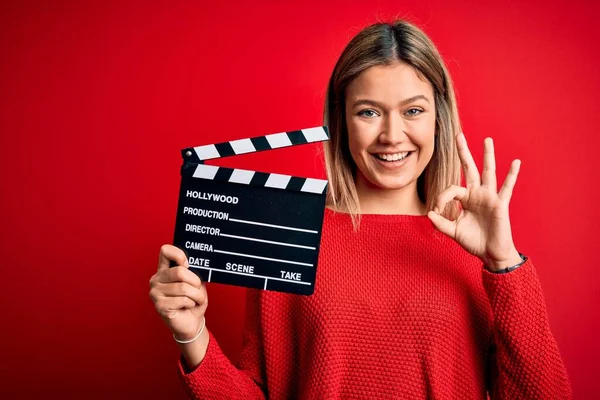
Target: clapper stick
point(249, 228)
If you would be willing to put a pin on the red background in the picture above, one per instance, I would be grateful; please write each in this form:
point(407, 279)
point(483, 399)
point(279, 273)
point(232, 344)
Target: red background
point(96, 99)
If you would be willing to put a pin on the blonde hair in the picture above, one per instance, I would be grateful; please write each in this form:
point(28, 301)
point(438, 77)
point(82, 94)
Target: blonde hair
point(384, 44)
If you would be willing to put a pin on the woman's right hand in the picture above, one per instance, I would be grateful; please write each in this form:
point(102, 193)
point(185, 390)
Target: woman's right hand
point(178, 294)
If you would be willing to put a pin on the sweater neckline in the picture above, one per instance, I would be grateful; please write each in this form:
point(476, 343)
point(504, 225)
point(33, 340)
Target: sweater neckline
point(390, 218)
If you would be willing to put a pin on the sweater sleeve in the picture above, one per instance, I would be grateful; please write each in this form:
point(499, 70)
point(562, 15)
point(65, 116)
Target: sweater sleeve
point(217, 378)
point(526, 360)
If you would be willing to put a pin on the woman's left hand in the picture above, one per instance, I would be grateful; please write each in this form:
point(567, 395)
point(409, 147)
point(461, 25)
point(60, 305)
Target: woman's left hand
point(483, 225)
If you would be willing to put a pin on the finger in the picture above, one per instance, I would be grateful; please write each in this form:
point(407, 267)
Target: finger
point(510, 181)
point(165, 305)
point(452, 192)
point(170, 253)
point(488, 177)
point(179, 274)
point(470, 169)
point(180, 289)
point(442, 224)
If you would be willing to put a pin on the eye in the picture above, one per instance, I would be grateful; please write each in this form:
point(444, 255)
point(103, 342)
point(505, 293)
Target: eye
point(413, 112)
point(369, 113)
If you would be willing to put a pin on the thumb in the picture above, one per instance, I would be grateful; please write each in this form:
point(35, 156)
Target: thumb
point(442, 224)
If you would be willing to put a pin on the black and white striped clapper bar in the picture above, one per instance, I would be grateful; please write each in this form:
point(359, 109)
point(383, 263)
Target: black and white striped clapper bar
point(249, 228)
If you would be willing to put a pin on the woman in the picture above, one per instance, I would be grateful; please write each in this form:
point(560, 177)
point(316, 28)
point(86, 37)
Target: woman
point(400, 310)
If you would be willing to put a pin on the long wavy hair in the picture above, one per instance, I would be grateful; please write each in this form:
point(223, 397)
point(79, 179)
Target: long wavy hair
point(385, 44)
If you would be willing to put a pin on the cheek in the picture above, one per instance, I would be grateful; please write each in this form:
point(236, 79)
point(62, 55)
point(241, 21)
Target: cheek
point(427, 147)
point(355, 148)
point(358, 142)
point(425, 137)
point(429, 143)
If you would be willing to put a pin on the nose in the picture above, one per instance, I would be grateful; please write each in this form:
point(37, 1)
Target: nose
point(394, 130)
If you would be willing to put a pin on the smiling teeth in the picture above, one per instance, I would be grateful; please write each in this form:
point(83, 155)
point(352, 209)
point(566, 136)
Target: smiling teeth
point(393, 157)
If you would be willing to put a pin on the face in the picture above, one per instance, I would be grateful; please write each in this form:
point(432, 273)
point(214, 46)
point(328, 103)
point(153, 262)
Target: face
point(390, 114)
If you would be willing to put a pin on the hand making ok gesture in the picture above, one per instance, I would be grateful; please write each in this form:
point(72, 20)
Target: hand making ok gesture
point(483, 225)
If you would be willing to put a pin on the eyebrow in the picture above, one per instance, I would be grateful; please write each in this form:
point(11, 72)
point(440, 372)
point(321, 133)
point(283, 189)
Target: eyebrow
point(377, 104)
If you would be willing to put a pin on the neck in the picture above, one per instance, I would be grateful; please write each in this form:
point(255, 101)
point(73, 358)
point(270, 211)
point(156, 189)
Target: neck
point(375, 200)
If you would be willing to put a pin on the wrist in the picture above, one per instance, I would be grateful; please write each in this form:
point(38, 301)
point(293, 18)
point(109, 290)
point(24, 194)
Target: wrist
point(194, 353)
point(190, 339)
point(513, 260)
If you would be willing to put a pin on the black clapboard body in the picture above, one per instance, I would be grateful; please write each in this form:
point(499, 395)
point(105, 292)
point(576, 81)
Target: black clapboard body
point(249, 228)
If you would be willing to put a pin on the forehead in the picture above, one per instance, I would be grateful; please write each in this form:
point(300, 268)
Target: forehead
point(388, 83)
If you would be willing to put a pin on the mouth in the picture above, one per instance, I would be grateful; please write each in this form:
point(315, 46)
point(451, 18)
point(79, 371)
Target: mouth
point(394, 158)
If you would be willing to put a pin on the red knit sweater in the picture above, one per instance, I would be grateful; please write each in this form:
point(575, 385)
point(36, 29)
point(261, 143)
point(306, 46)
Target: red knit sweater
point(399, 311)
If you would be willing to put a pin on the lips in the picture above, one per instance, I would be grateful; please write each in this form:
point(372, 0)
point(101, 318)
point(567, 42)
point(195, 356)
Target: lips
point(392, 157)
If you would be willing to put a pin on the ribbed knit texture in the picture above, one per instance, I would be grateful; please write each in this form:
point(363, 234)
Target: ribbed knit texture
point(399, 311)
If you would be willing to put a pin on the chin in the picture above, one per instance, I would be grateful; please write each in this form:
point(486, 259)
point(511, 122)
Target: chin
point(390, 183)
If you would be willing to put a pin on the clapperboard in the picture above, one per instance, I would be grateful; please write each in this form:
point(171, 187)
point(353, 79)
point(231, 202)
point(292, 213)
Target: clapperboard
point(248, 228)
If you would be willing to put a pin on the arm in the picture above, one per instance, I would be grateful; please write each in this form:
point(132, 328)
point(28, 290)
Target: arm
point(527, 363)
point(216, 377)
